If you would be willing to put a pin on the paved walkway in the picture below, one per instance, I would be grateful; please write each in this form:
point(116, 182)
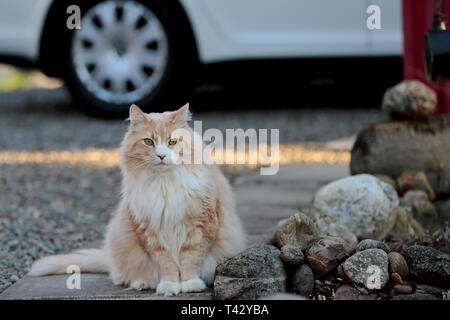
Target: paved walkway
point(261, 202)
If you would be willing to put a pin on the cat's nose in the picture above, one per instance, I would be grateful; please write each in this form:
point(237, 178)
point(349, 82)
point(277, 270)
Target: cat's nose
point(161, 156)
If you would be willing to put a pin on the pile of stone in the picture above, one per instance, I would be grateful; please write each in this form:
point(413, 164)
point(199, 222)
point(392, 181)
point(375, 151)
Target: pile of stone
point(411, 152)
point(330, 268)
point(355, 242)
point(382, 233)
point(378, 206)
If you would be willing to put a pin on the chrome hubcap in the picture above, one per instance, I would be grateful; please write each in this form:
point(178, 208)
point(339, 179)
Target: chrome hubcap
point(120, 53)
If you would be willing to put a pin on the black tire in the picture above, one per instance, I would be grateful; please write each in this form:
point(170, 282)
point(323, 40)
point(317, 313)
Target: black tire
point(174, 87)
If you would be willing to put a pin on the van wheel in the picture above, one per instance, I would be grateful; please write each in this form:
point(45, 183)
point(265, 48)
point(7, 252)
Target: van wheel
point(127, 52)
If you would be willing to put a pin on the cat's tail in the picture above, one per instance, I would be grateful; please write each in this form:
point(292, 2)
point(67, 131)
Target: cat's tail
point(88, 260)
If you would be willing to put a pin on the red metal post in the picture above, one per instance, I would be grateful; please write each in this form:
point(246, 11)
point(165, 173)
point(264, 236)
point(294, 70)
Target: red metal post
point(418, 17)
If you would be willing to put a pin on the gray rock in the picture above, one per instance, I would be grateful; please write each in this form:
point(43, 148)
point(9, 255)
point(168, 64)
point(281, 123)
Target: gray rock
point(428, 264)
point(291, 255)
point(362, 203)
point(298, 231)
point(410, 98)
point(303, 281)
point(324, 255)
point(346, 292)
point(328, 226)
point(393, 147)
point(397, 264)
point(260, 261)
point(368, 268)
point(415, 296)
point(372, 244)
point(402, 289)
point(229, 288)
point(254, 273)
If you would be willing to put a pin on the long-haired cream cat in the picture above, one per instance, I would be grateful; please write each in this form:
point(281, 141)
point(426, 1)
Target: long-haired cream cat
point(175, 222)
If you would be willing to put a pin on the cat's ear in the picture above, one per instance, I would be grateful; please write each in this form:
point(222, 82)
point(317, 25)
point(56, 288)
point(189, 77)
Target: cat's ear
point(182, 116)
point(137, 117)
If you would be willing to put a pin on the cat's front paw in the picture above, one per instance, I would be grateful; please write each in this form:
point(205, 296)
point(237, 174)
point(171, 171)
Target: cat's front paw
point(193, 285)
point(168, 288)
point(140, 285)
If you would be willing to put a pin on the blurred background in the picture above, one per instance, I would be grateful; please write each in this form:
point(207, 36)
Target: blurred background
point(316, 70)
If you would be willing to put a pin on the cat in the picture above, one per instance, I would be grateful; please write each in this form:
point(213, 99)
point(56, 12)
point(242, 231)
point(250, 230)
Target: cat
point(176, 220)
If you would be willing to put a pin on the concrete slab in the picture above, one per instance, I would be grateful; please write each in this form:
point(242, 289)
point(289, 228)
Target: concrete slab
point(261, 202)
point(92, 286)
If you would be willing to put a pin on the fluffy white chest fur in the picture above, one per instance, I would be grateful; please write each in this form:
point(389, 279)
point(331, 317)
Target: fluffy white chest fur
point(164, 200)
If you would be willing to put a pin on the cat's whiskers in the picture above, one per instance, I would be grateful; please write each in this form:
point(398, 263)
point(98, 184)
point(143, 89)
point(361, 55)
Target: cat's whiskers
point(136, 156)
point(145, 164)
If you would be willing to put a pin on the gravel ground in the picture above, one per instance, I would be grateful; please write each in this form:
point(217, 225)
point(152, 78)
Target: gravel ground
point(47, 209)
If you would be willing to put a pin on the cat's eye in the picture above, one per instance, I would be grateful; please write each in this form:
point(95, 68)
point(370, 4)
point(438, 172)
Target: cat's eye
point(149, 142)
point(172, 142)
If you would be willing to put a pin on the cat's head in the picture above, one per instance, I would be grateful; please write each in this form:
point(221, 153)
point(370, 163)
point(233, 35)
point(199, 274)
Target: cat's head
point(156, 141)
